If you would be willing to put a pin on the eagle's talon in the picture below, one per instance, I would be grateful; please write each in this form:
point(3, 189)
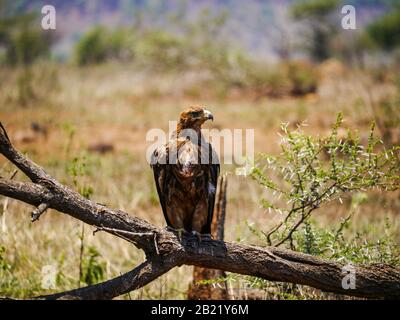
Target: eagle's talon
point(178, 231)
point(198, 235)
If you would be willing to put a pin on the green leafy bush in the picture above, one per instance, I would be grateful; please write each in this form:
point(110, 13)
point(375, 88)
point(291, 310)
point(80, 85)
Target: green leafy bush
point(22, 43)
point(316, 171)
point(332, 243)
point(386, 31)
point(312, 172)
point(101, 44)
point(314, 8)
point(92, 47)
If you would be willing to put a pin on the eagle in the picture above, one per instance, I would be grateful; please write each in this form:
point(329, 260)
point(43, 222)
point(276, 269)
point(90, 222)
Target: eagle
point(185, 171)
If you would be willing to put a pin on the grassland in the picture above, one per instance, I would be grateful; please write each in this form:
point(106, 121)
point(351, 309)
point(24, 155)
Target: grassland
point(93, 123)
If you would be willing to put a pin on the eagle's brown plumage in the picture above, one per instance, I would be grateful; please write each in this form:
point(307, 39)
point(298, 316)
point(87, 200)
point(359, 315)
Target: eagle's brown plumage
point(187, 186)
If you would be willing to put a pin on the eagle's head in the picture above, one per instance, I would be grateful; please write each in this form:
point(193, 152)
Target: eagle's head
point(193, 117)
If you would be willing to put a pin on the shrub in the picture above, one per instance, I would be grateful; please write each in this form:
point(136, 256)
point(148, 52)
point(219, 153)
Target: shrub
point(385, 32)
point(317, 15)
point(160, 49)
point(22, 43)
point(100, 44)
point(316, 171)
point(92, 47)
point(302, 180)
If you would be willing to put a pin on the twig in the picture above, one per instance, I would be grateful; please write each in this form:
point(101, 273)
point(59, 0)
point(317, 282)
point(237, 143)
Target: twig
point(39, 211)
point(12, 176)
point(118, 232)
point(293, 229)
point(312, 206)
point(139, 234)
point(155, 243)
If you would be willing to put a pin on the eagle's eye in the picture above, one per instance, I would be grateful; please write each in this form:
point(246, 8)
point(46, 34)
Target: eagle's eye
point(195, 114)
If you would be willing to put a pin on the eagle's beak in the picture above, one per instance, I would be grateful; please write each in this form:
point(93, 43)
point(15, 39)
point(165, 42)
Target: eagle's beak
point(208, 115)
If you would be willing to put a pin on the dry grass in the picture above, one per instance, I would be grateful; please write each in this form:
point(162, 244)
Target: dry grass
point(117, 105)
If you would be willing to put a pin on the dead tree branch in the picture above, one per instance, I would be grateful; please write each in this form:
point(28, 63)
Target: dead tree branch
point(39, 211)
point(166, 251)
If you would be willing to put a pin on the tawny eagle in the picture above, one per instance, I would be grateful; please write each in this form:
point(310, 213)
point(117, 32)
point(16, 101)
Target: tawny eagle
point(186, 170)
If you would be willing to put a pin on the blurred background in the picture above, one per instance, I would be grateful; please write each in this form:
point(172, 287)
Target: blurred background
point(80, 99)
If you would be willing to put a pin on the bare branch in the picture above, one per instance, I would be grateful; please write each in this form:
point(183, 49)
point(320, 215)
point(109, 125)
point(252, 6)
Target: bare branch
point(140, 234)
point(132, 280)
point(39, 211)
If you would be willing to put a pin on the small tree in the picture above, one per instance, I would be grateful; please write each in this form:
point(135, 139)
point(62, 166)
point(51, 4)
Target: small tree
point(92, 47)
point(101, 44)
point(21, 41)
point(385, 32)
point(317, 15)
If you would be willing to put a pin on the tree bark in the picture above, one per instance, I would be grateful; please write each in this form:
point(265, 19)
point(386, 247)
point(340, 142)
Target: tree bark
point(165, 249)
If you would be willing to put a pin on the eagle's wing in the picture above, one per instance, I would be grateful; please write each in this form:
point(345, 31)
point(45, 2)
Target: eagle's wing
point(159, 160)
point(213, 173)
